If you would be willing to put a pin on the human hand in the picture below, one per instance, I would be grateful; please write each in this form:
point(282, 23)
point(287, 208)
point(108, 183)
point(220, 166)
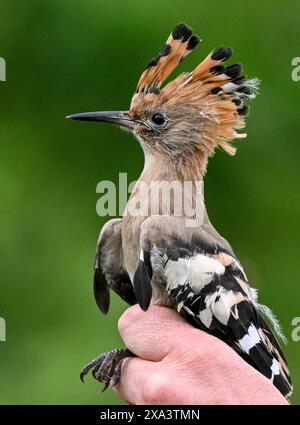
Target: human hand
point(179, 364)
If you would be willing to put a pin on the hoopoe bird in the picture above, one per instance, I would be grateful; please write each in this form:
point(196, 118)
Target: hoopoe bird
point(159, 259)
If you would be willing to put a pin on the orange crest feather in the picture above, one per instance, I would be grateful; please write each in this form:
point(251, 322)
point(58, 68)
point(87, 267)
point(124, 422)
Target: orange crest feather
point(218, 92)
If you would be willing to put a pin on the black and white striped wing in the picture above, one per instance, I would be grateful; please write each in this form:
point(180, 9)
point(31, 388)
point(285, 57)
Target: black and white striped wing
point(211, 290)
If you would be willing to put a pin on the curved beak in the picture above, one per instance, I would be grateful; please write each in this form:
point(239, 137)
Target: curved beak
point(115, 117)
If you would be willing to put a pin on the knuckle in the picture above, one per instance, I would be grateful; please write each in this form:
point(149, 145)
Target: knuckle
point(205, 348)
point(128, 318)
point(156, 390)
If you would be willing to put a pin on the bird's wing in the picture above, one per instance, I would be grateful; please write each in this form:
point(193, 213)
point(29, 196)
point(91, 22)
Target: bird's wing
point(109, 271)
point(210, 289)
point(213, 290)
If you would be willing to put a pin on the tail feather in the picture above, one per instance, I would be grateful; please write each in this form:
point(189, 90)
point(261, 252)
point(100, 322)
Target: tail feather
point(256, 340)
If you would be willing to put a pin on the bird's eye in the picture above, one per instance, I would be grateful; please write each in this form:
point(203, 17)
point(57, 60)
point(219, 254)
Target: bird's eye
point(158, 118)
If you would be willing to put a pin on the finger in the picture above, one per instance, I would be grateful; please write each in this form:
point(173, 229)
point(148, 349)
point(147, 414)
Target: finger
point(132, 381)
point(154, 334)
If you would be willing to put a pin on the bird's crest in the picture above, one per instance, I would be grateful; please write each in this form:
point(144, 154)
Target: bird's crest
point(217, 91)
point(178, 45)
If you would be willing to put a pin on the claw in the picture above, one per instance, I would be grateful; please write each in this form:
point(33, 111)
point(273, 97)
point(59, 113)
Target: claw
point(117, 374)
point(98, 360)
point(107, 367)
point(106, 385)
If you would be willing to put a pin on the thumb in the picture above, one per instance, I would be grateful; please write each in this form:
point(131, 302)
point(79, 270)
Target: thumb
point(153, 334)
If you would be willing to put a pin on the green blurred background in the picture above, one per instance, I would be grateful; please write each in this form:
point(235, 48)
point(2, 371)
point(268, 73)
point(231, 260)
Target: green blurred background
point(71, 56)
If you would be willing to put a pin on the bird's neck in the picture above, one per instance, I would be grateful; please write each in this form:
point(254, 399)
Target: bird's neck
point(174, 168)
point(173, 186)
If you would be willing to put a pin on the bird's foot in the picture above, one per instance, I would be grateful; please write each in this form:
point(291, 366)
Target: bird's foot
point(107, 367)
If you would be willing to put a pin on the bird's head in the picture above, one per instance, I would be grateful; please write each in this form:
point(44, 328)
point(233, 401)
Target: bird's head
point(196, 112)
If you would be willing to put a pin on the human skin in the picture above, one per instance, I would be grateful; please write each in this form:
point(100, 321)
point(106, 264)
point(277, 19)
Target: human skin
point(179, 364)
